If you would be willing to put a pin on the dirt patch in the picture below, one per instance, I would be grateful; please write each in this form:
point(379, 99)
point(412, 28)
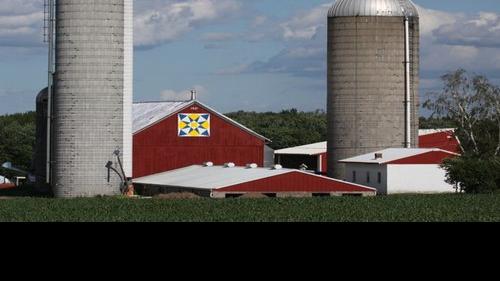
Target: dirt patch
point(181, 195)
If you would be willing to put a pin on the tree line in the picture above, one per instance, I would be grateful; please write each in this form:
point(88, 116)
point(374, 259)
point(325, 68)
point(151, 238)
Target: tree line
point(17, 140)
point(468, 102)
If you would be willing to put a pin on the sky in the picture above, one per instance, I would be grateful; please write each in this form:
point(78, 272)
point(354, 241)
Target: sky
point(258, 55)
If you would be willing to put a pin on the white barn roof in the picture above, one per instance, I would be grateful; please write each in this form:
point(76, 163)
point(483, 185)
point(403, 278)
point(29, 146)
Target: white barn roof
point(4, 180)
point(147, 114)
point(392, 154)
point(309, 149)
point(219, 177)
point(208, 178)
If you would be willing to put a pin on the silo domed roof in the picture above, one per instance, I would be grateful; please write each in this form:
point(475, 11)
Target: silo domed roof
point(42, 95)
point(386, 8)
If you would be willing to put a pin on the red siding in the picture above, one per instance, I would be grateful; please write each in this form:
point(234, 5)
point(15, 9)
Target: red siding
point(158, 148)
point(443, 140)
point(295, 182)
point(433, 157)
point(324, 163)
point(5, 186)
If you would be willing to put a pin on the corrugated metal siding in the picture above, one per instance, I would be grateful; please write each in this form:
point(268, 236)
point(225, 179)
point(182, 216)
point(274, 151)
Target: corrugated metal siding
point(433, 157)
point(159, 149)
point(295, 182)
point(443, 140)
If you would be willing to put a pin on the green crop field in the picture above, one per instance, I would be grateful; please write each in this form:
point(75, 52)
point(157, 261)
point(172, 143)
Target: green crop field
point(404, 208)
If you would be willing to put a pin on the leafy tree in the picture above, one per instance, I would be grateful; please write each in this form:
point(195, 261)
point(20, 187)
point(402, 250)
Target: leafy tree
point(286, 128)
point(436, 123)
point(473, 104)
point(17, 138)
point(473, 174)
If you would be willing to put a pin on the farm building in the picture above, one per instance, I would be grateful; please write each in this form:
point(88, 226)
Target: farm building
point(401, 170)
point(314, 156)
point(5, 183)
point(440, 138)
point(4, 180)
point(232, 181)
point(173, 135)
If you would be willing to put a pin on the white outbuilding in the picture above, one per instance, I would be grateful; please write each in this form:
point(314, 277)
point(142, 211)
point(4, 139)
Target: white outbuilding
point(4, 180)
point(401, 170)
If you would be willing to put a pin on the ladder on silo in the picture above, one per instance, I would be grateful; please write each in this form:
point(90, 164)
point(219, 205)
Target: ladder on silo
point(49, 35)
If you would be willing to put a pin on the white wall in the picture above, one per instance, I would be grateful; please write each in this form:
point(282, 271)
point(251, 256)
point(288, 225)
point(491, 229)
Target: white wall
point(417, 179)
point(3, 180)
point(361, 175)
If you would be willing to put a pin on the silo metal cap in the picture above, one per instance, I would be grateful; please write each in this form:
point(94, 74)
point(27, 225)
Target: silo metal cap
point(381, 8)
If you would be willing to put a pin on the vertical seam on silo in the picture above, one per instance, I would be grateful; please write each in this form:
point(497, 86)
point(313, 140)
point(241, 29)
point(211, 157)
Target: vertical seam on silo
point(356, 140)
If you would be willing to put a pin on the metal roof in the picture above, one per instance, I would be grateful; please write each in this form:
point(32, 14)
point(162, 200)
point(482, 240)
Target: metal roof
point(392, 154)
point(147, 114)
point(322, 147)
point(219, 177)
point(208, 178)
point(309, 149)
point(425, 132)
point(387, 8)
point(4, 180)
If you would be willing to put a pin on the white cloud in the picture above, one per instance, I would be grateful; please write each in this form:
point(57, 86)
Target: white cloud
point(172, 95)
point(164, 21)
point(21, 23)
point(430, 20)
point(305, 25)
point(156, 21)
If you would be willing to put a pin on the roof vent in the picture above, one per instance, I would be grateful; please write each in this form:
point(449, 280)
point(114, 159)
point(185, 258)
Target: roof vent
point(277, 167)
point(379, 156)
point(208, 164)
point(229, 165)
point(252, 166)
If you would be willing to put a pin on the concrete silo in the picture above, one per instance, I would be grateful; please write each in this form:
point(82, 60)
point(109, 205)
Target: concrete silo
point(92, 97)
point(373, 78)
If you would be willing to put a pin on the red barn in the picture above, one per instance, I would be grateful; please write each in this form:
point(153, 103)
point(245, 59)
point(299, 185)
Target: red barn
point(314, 155)
point(444, 139)
point(173, 135)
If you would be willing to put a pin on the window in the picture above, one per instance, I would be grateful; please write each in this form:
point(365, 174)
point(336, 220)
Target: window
point(353, 176)
point(379, 177)
point(368, 177)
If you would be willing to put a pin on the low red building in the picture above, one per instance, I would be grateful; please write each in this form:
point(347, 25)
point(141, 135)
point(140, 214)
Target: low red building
point(173, 135)
point(314, 155)
point(231, 181)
